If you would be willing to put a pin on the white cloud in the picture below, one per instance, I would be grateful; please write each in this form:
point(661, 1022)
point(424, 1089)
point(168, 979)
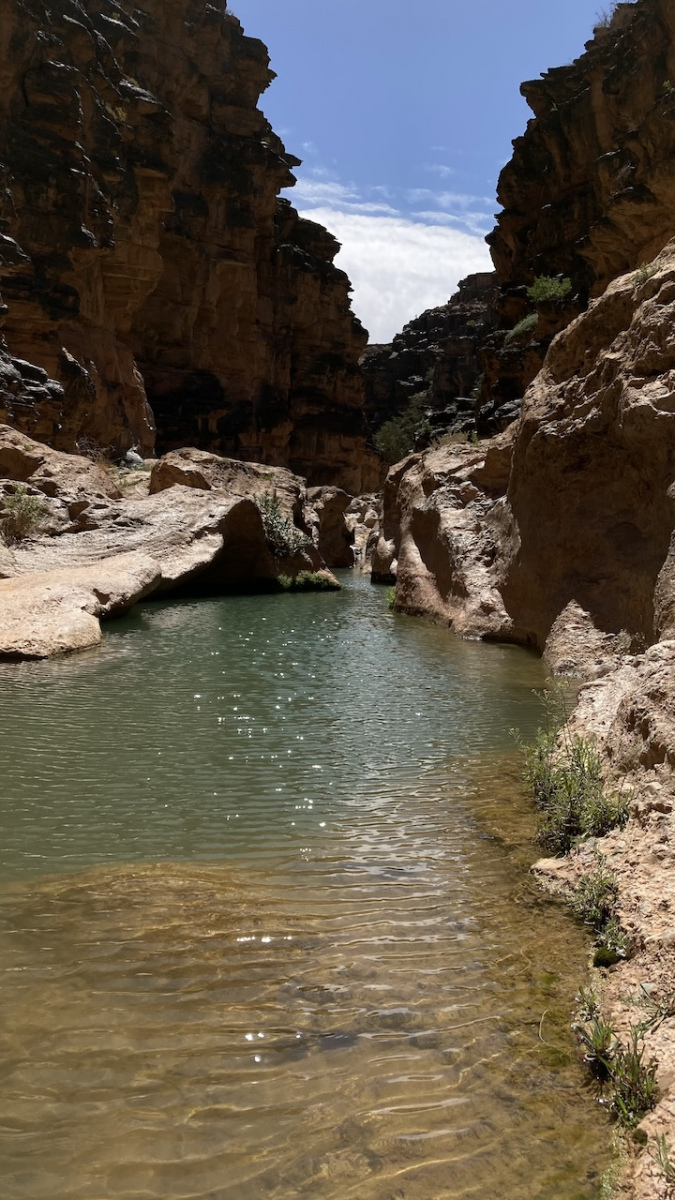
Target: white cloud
point(441, 169)
point(473, 222)
point(398, 267)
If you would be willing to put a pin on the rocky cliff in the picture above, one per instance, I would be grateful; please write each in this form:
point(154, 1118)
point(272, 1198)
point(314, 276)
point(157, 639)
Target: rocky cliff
point(562, 524)
point(150, 275)
point(589, 192)
point(436, 356)
point(588, 195)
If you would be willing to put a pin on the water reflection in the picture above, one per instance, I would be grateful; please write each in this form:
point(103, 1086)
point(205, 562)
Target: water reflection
point(328, 978)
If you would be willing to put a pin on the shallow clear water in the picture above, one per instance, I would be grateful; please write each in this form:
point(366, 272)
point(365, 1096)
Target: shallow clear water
point(265, 928)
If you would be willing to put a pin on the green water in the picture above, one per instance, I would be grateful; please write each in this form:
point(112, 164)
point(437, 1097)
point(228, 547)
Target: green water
point(265, 924)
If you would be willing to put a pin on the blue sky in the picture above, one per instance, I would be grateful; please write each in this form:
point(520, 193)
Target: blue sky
point(403, 114)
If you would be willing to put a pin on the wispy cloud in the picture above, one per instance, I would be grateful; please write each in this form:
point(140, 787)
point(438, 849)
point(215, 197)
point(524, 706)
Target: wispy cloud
point(479, 223)
point(441, 170)
point(447, 200)
point(400, 267)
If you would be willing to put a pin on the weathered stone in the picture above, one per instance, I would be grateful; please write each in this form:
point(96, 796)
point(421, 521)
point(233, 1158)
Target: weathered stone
point(199, 531)
point(333, 536)
point(589, 192)
point(146, 263)
point(569, 511)
point(436, 356)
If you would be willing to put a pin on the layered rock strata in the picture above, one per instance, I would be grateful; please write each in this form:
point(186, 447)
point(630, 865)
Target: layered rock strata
point(589, 191)
point(102, 538)
point(148, 270)
point(436, 357)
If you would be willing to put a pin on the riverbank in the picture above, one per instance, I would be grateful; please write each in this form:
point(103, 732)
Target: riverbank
point(86, 540)
point(558, 534)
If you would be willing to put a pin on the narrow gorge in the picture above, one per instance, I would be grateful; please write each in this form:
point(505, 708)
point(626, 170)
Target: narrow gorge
point(270, 911)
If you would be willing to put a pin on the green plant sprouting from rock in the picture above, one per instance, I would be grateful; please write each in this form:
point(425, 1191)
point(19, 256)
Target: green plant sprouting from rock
point(22, 516)
point(594, 901)
point(547, 288)
point(523, 331)
point(619, 1067)
point(564, 776)
point(284, 538)
point(664, 1158)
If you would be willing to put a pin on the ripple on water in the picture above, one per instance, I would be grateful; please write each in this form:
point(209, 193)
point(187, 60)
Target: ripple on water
point(355, 1001)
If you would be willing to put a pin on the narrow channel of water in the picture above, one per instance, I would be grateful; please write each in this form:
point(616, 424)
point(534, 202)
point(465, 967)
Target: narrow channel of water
point(265, 928)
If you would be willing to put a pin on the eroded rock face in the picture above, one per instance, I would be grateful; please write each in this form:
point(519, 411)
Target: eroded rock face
point(589, 193)
point(564, 523)
point(147, 267)
point(106, 538)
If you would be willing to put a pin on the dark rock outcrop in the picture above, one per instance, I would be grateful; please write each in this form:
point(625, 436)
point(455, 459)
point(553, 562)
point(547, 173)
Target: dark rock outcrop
point(436, 356)
point(148, 270)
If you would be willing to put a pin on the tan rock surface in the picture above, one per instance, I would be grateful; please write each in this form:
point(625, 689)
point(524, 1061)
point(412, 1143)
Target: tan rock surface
point(630, 714)
point(571, 510)
point(332, 534)
point(56, 612)
point(110, 550)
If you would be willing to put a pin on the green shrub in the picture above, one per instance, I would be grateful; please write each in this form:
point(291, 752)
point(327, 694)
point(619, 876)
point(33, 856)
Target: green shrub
point(391, 598)
point(644, 272)
point(523, 330)
point(589, 1006)
point(566, 783)
point(594, 902)
point(308, 581)
point(545, 287)
point(599, 1042)
point(634, 1087)
point(285, 539)
point(595, 896)
point(398, 437)
point(631, 1081)
point(22, 516)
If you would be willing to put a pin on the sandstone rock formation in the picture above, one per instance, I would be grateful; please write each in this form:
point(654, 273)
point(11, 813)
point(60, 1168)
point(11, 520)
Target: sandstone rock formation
point(106, 538)
point(588, 193)
point(148, 270)
point(567, 517)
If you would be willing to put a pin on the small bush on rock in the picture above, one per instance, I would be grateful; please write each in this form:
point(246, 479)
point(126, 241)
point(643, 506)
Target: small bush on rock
point(285, 539)
point(308, 581)
point(523, 331)
point(23, 515)
point(545, 287)
point(566, 783)
point(621, 1068)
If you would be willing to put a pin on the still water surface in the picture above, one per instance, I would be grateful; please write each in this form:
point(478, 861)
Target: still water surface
point(265, 927)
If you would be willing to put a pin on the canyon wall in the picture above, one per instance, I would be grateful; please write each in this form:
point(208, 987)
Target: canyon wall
point(589, 191)
point(588, 195)
point(557, 533)
point(436, 357)
point(154, 285)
